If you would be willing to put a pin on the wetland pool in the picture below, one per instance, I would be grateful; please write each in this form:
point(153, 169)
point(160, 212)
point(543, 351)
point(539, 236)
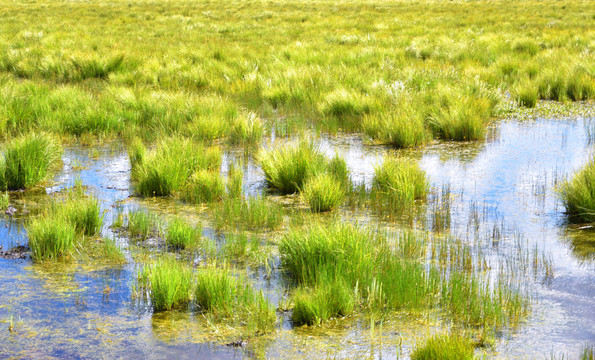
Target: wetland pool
point(502, 202)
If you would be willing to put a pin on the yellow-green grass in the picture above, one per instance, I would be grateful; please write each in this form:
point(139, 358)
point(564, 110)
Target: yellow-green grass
point(399, 182)
point(287, 168)
point(578, 194)
point(51, 238)
point(180, 234)
point(323, 193)
point(170, 284)
point(444, 347)
point(25, 161)
point(224, 295)
point(252, 213)
point(168, 167)
point(235, 64)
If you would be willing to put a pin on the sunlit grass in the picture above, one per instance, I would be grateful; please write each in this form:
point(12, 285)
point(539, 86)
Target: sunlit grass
point(26, 161)
point(180, 234)
point(51, 238)
point(578, 194)
point(444, 347)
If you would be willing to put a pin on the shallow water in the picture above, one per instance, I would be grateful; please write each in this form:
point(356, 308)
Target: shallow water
point(505, 184)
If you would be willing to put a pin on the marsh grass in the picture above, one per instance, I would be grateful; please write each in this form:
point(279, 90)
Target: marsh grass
point(444, 347)
point(110, 252)
point(323, 193)
point(252, 213)
point(327, 300)
point(83, 212)
point(578, 194)
point(246, 128)
point(167, 168)
point(170, 284)
point(204, 186)
point(182, 235)
point(462, 119)
point(141, 224)
point(51, 238)
point(235, 180)
point(287, 168)
point(397, 183)
point(26, 161)
point(224, 295)
point(4, 200)
point(400, 128)
point(526, 94)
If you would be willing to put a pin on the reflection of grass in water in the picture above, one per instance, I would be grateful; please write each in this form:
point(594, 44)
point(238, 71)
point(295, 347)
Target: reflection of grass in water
point(582, 243)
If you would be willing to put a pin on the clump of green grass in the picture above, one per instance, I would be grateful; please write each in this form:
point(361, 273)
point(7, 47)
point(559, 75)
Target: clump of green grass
point(526, 94)
point(444, 347)
point(287, 168)
point(84, 213)
point(4, 200)
point(318, 305)
point(136, 153)
point(168, 167)
point(323, 193)
point(526, 45)
point(401, 128)
point(110, 252)
point(26, 160)
point(182, 235)
point(236, 246)
point(252, 213)
point(401, 179)
point(337, 168)
point(50, 238)
point(140, 224)
point(204, 186)
point(170, 284)
point(578, 194)
point(235, 181)
point(345, 103)
point(246, 128)
point(461, 119)
point(224, 295)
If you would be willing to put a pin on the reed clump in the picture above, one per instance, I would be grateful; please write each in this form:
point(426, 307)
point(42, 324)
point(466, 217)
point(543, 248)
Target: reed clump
point(578, 194)
point(398, 182)
point(51, 238)
point(287, 168)
point(181, 235)
point(141, 224)
point(224, 295)
point(253, 213)
point(323, 193)
point(26, 161)
point(170, 284)
point(167, 168)
point(204, 186)
point(444, 347)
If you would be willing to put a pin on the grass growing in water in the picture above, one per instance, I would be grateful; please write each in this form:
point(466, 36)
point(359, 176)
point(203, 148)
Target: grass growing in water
point(323, 193)
point(170, 284)
point(84, 213)
point(25, 161)
point(578, 194)
point(252, 213)
point(182, 235)
point(50, 238)
point(167, 168)
point(224, 295)
point(399, 182)
point(204, 186)
point(141, 224)
point(444, 347)
point(287, 168)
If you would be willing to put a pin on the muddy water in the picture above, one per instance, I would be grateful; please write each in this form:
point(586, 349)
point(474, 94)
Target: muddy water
point(505, 185)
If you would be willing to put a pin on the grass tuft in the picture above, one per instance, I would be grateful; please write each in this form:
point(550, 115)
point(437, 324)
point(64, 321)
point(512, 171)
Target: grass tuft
point(444, 347)
point(182, 235)
point(323, 193)
point(170, 284)
point(50, 238)
point(287, 168)
point(578, 194)
point(25, 161)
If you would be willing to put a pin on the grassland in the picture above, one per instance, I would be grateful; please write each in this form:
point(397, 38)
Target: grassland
point(401, 72)
point(184, 84)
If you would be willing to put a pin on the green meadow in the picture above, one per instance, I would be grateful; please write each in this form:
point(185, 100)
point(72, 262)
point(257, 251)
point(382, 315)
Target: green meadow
point(203, 95)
